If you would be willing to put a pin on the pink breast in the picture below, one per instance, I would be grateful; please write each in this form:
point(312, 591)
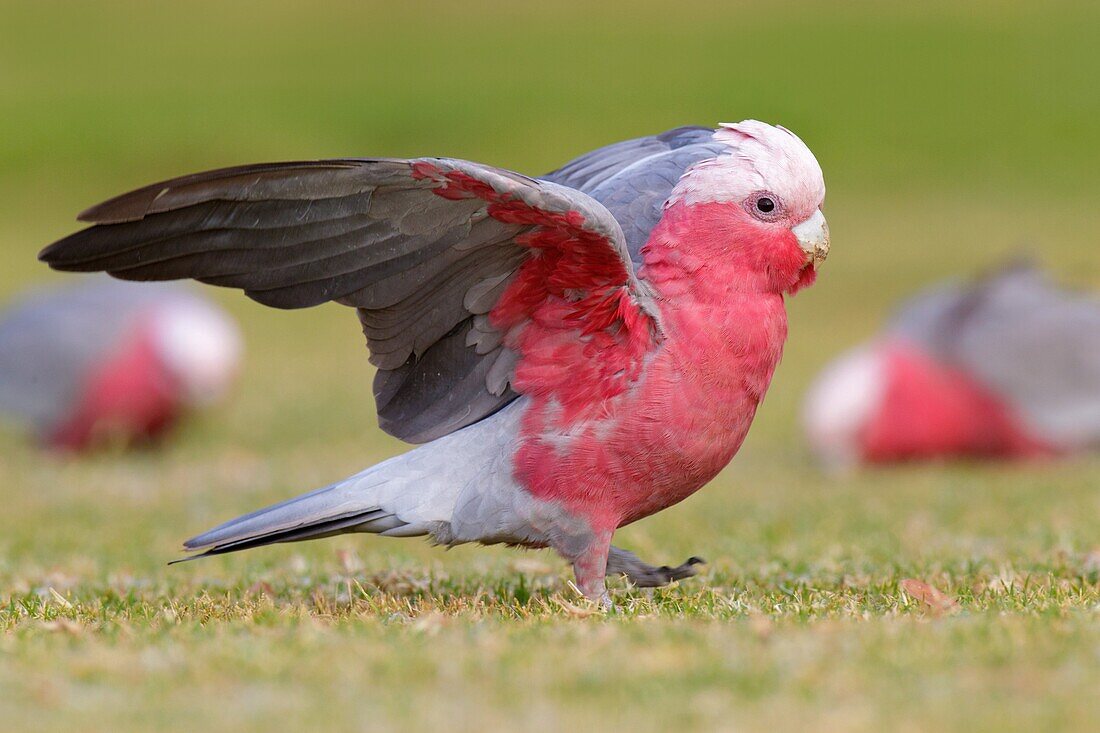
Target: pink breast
point(128, 397)
point(673, 431)
point(932, 410)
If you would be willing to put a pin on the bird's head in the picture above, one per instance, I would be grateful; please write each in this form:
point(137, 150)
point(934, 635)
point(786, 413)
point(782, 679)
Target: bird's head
point(200, 347)
point(767, 189)
point(843, 403)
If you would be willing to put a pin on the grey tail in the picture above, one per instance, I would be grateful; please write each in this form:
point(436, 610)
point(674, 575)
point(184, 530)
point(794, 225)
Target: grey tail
point(336, 509)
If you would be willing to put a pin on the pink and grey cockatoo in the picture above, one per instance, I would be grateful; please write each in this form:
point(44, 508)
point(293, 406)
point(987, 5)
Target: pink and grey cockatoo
point(109, 360)
point(575, 352)
point(1002, 367)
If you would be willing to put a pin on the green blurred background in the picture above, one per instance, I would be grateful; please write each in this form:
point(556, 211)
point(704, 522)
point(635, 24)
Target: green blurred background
point(951, 135)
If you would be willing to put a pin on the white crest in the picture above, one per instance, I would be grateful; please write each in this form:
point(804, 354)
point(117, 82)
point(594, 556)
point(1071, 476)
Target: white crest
point(761, 157)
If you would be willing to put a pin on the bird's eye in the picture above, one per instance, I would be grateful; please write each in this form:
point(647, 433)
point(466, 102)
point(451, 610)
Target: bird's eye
point(764, 205)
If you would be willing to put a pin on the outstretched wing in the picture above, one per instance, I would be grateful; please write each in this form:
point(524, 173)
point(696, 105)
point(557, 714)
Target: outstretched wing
point(472, 283)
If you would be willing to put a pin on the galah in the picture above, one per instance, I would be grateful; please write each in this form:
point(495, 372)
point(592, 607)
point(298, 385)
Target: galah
point(1006, 366)
point(107, 360)
point(573, 352)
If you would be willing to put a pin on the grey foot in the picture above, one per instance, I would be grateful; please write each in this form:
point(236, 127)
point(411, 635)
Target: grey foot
point(624, 562)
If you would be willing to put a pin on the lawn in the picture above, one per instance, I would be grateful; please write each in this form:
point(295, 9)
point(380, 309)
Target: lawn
point(950, 136)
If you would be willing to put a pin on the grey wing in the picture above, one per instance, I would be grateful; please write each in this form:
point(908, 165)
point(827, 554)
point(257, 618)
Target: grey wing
point(931, 318)
point(422, 248)
point(1034, 343)
point(51, 339)
point(588, 171)
point(634, 178)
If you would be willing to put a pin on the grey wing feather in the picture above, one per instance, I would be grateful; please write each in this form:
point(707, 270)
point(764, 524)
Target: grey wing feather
point(634, 178)
point(368, 233)
point(1034, 343)
point(588, 171)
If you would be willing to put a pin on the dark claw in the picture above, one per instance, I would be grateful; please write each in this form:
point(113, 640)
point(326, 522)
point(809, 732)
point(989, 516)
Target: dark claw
point(626, 563)
point(680, 571)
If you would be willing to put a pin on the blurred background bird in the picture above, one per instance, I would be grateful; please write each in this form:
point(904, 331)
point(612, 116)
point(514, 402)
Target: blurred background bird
point(106, 362)
point(1004, 366)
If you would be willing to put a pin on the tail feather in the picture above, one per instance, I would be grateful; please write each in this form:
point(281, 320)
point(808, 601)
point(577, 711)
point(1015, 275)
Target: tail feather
point(415, 493)
point(363, 522)
point(347, 506)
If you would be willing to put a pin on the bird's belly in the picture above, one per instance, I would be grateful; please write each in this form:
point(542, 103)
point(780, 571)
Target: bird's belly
point(685, 436)
point(698, 399)
point(648, 449)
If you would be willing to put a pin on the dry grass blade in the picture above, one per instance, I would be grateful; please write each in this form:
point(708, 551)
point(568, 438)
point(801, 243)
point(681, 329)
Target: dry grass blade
point(62, 600)
point(934, 599)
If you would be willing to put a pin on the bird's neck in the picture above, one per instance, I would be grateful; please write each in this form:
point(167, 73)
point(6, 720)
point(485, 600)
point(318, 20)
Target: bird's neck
point(719, 285)
point(714, 251)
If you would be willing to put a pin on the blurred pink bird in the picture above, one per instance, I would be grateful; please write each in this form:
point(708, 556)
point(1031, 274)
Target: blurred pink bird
point(107, 361)
point(576, 352)
point(1004, 367)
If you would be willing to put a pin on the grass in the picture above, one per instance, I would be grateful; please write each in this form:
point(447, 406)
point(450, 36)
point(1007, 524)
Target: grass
point(950, 136)
point(798, 621)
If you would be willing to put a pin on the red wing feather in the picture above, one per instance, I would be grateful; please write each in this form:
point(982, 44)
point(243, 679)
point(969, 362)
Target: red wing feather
point(571, 312)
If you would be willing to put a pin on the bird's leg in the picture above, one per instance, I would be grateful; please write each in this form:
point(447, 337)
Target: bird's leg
point(590, 568)
point(624, 562)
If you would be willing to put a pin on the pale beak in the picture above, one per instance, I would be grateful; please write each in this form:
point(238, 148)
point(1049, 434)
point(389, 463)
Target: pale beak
point(813, 238)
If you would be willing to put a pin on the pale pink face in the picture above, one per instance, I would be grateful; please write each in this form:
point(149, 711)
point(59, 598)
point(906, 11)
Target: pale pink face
point(201, 348)
point(842, 402)
point(774, 181)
